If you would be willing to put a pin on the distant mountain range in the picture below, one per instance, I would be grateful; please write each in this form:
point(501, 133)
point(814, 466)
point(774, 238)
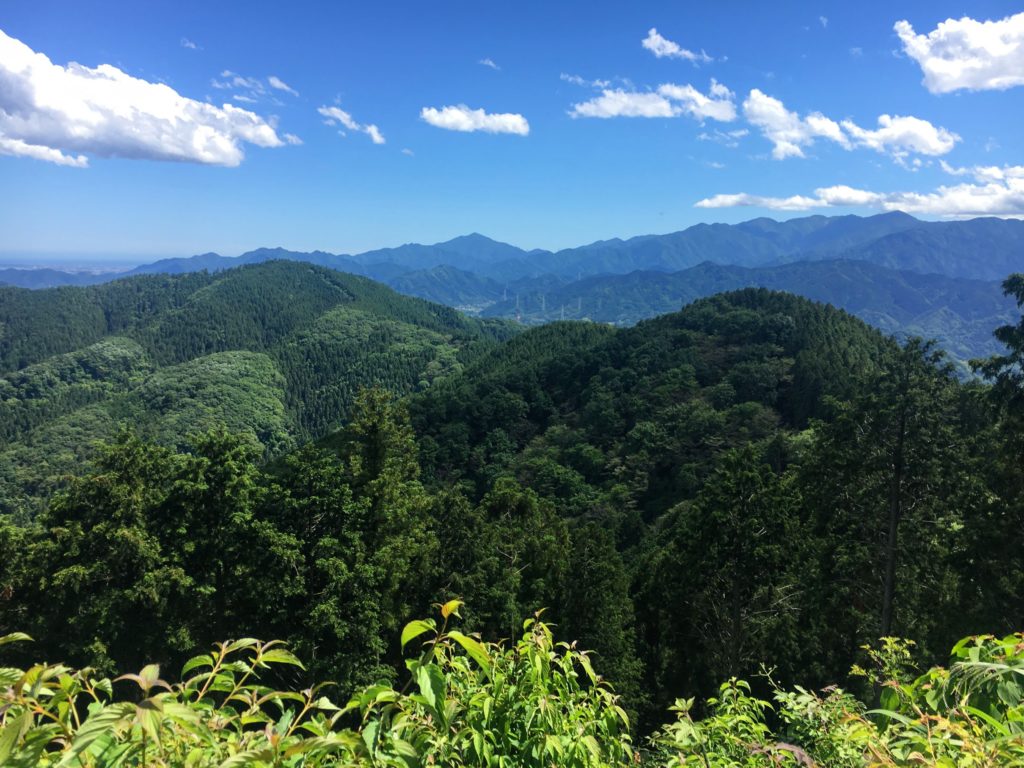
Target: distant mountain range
point(980, 249)
point(904, 275)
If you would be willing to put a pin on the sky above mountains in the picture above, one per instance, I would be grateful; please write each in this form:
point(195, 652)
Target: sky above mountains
point(168, 128)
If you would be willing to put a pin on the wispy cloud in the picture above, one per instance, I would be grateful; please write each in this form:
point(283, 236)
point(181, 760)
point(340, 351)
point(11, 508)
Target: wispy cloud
point(663, 48)
point(462, 118)
point(280, 85)
point(823, 20)
point(968, 54)
point(584, 83)
point(489, 63)
point(729, 139)
point(336, 115)
point(186, 43)
point(407, 151)
point(62, 114)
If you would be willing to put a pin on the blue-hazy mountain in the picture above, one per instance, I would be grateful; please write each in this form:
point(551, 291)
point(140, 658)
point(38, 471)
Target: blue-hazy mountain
point(981, 249)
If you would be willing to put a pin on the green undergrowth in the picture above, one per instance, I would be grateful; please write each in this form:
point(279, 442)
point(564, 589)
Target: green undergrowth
point(531, 703)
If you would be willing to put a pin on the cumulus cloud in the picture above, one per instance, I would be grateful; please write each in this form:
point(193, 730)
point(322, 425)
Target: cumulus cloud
point(61, 114)
point(788, 132)
point(462, 118)
point(718, 105)
point(903, 135)
point(990, 197)
point(620, 103)
point(663, 48)
point(488, 63)
point(336, 115)
point(896, 135)
point(280, 85)
point(968, 54)
point(986, 173)
point(670, 100)
point(186, 43)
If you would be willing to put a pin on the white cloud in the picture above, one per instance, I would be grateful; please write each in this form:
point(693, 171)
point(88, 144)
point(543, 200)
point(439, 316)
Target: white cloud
point(462, 118)
point(729, 139)
point(843, 195)
point(670, 100)
point(489, 63)
point(896, 135)
point(902, 135)
point(787, 131)
point(407, 151)
point(968, 54)
point(719, 105)
point(986, 173)
point(664, 48)
point(795, 203)
point(824, 21)
point(577, 80)
point(335, 115)
point(186, 43)
point(620, 103)
point(1004, 197)
point(19, 148)
point(234, 80)
point(856, 51)
point(63, 113)
point(281, 85)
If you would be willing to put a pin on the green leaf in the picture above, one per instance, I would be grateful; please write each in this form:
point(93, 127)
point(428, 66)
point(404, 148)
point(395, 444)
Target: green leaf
point(474, 648)
point(281, 656)
point(15, 637)
point(249, 757)
point(196, 661)
point(414, 629)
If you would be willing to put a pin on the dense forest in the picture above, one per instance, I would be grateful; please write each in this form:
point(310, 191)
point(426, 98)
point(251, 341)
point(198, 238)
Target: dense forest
point(275, 351)
point(754, 480)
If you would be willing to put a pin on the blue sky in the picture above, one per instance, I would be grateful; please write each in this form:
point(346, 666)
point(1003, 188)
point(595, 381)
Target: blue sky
point(751, 109)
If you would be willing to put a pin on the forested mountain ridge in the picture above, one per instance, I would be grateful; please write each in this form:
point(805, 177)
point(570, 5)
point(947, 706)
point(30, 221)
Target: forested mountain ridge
point(959, 313)
point(276, 351)
point(905, 276)
point(687, 497)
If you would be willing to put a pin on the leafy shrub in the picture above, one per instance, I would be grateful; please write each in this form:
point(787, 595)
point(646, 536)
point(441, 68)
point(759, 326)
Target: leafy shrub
point(534, 704)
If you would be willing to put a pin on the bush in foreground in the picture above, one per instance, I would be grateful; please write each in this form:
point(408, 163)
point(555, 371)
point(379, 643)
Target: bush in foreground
point(533, 704)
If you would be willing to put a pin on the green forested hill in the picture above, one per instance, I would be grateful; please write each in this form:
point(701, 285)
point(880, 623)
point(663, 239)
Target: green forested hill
point(276, 351)
point(755, 479)
point(959, 313)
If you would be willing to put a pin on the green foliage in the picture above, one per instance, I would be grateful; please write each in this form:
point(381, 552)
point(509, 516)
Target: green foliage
point(468, 703)
point(276, 350)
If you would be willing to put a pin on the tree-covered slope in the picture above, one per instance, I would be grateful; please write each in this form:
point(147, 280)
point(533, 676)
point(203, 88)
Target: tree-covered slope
point(722, 371)
point(275, 350)
point(754, 478)
point(958, 312)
